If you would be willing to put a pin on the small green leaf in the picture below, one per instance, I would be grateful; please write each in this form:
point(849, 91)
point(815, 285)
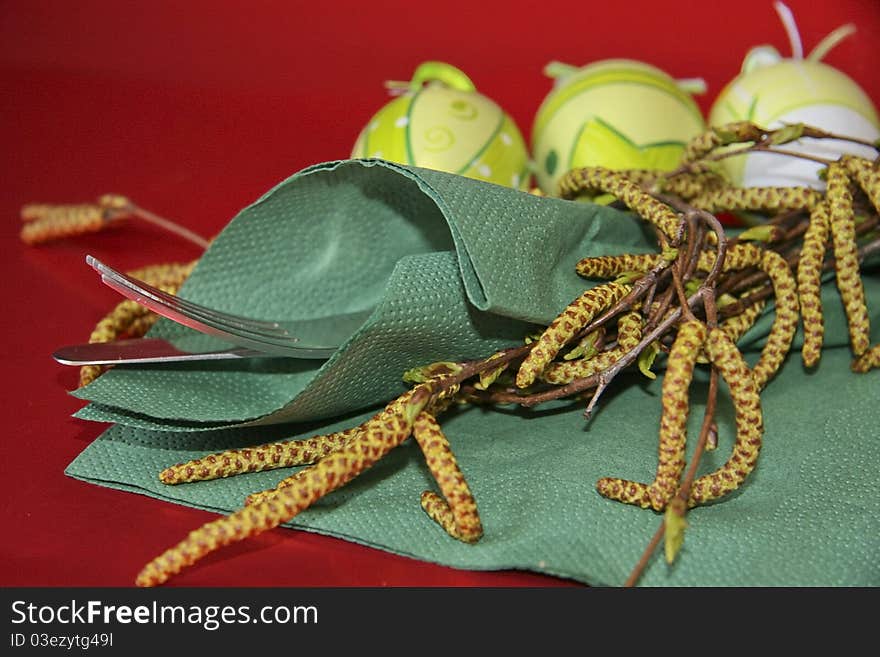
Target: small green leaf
point(416, 404)
point(586, 348)
point(628, 277)
point(724, 299)
point(786, 134)
point(532, 337)
point(488, 377)
point(426, 372)
point(763, 233)
point(675, 526)
point(726, 136)
point(646, 360)
point(669, 254)
point(691, 287)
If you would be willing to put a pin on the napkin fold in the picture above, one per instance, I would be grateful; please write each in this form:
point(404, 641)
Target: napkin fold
point(462, 268)
point(452, 268)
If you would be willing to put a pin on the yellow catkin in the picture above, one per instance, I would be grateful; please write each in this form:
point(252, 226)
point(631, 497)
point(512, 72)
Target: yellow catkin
point(629, 333)
point(168, 276)
point(609, 266)
point(231, 462)
point(136, 327)
point(738, 325)
point(455, 509)
point(866, 174)
point(437, 406)
point(342, 437)
point(673, 426)
point(335, 470)
point(115, 202)
point(689, 186)
point(846, 258)
point(58, 222)
point(576, 316)
point(868, 360)
point(685, 185)
point(127, 319)
point(598, 180)
point(785, 322)
point(786, 317)
point(749, 422)
point(34, 211)
point(88, 373)
point(736, 132)
point(130, 319)
point(109, 206)
point(809, 284)
point(758, 199)
point(740, 256)
point(642, 177)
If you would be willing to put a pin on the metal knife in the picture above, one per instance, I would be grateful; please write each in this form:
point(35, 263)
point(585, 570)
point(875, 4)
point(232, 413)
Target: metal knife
point(156, 350)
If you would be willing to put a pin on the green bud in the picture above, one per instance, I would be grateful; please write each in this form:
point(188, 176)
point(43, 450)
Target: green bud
point(675, 526)
point(628, 277)
point(786, 134)
point(646, 360)
point(488, 377)
point(427, 372)
point(691, 286)
point(669, 254)
point(586, 348)
point(727, 136)
point(416, 404)
point(724, 300)
point(763, 233)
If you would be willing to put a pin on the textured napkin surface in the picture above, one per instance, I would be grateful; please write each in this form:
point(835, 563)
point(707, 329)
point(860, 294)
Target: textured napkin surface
point(451, 267)
point(809, 515)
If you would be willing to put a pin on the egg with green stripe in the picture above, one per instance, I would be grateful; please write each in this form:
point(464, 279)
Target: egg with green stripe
point(439, 121)
point(616, 113)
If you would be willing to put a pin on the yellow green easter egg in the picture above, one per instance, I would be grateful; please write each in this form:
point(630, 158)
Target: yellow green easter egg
point(617, 113)
point(772, 91)
point(441, 122)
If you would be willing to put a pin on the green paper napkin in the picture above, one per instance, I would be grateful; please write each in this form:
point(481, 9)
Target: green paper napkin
point(809, 515)
point(453, 268)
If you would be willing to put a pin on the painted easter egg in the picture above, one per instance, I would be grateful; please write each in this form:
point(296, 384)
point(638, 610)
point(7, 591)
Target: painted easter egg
point(616, 113)
point(772, 91)
point(439, 121)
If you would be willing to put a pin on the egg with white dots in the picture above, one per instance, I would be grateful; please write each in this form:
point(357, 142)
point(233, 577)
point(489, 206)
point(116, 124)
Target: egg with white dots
point(772, 91)
point(439, 121)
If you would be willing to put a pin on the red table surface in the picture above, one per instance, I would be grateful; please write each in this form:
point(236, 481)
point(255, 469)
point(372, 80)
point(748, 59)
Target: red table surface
point(194, 109)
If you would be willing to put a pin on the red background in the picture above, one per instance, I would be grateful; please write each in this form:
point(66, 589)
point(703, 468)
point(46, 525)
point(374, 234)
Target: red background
point(193, 109)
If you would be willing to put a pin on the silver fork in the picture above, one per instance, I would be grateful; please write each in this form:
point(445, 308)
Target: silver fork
point(269, 337)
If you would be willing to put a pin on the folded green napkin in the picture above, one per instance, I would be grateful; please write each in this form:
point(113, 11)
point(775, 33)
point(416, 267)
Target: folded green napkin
point(452, 268)
point(808, 516)
point(472, 270)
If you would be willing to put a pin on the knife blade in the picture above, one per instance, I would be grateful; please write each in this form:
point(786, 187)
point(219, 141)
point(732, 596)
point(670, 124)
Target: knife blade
point(156, 350)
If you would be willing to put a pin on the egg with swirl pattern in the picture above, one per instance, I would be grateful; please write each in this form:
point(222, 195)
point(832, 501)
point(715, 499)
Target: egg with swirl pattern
point(439, 121)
